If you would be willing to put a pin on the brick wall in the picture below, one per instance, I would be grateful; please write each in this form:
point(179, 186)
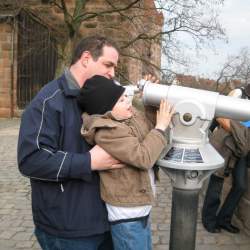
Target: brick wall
point(5, 69)
point(121, 29)
point(114, 26)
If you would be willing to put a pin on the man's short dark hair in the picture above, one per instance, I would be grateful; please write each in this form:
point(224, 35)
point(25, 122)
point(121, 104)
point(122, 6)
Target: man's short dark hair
point(93, 44)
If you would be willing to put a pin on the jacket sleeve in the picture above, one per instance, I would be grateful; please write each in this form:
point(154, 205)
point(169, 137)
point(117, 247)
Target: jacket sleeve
point(128, 149)
point(39, 155)
point(241, 136)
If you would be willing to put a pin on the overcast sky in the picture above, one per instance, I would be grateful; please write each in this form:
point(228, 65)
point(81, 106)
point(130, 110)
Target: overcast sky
point(235, 18)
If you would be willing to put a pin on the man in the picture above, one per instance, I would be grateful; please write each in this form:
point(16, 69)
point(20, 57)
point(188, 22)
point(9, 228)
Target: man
point(67, 209)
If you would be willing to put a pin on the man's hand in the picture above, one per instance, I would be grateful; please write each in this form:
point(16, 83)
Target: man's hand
point(225, 123)
point(151, 78)
point(101, 160)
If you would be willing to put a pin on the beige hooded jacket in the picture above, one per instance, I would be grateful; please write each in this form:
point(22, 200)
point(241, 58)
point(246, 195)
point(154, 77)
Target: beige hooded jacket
point(135, 143)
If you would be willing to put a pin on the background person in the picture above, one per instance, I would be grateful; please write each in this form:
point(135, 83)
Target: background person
point(231, 139)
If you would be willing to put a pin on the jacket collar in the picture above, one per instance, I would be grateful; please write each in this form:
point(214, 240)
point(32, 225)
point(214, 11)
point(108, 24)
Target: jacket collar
point(66, 88)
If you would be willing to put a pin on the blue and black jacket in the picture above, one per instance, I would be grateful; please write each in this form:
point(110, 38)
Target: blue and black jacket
point(51, 152)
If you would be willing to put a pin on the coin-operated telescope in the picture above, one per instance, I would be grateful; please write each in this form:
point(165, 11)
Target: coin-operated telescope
point(189, 158)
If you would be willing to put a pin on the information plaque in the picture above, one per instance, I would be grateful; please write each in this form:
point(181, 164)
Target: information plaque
point(184, 155)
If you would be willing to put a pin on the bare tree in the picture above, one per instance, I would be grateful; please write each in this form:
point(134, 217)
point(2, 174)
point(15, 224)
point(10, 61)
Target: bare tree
point(236, 69)
point(142, 22)
point(195, 21)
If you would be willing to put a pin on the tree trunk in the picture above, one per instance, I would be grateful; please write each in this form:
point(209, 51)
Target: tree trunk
point(64, 56)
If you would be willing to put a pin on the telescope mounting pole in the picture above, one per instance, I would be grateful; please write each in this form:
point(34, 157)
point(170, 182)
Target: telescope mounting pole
point(183, 219)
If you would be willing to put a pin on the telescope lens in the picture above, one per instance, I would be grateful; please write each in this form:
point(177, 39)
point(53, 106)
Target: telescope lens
point(187, 117)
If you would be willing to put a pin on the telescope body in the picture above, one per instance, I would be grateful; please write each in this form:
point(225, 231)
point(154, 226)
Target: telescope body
point(189, 147)
point(215, 105)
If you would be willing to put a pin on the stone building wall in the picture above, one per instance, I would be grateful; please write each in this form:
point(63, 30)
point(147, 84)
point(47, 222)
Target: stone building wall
point(115, 26)
point(121, 29)
point(6, 81)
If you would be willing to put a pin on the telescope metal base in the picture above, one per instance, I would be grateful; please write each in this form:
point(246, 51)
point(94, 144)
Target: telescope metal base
point(183, 219)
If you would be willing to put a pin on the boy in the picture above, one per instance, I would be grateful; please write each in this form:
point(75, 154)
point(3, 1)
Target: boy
point(132, 139)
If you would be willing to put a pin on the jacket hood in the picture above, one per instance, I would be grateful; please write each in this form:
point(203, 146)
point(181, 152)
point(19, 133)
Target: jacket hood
point(93, 122)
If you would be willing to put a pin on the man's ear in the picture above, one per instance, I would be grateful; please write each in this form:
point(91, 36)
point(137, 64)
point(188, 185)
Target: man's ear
point(85, 57)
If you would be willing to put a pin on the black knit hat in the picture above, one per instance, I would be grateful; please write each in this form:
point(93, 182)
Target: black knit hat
point(99, 95)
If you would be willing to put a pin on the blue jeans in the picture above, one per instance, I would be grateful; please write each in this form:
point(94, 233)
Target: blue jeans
point(214, 215)
point(97, 242)
point(134, 235)
point(239, 186)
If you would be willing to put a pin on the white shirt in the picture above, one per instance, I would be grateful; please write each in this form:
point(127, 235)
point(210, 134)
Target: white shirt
point(119, 213)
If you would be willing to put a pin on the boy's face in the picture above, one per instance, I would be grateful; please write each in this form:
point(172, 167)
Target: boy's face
point(123, 108)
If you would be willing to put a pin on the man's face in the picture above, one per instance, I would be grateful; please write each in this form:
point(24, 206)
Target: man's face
point(105, 64)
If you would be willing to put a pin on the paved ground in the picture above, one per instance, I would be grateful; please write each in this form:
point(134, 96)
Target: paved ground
point(16, 226)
